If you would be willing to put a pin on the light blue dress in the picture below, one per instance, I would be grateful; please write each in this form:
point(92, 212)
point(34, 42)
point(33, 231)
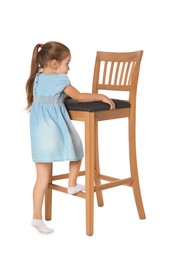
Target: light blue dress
point(53, 135)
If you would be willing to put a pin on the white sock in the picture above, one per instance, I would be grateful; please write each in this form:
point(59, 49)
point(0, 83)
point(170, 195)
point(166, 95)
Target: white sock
point(75, 189)
point(40, 226)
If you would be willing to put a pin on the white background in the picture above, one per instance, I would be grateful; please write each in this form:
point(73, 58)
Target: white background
point(86, 27)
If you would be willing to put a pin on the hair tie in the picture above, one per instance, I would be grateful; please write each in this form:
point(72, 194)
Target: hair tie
point(41, 45)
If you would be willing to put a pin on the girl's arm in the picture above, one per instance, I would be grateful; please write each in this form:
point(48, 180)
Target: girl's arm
point(73, 93)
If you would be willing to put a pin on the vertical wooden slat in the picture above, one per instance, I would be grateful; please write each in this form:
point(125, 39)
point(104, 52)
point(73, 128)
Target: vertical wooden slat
point(104, 73)
point(126, 74)
point(122, 72)
point(111, 73)
point(116, 74)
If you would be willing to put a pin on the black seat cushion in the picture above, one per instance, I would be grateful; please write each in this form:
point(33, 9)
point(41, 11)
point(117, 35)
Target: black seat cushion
point(94, 106)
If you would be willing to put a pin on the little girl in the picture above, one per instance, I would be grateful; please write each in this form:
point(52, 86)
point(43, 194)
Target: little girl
point(53, 136)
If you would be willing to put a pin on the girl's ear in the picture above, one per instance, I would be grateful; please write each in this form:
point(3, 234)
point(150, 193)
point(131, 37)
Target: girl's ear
point(54, 64)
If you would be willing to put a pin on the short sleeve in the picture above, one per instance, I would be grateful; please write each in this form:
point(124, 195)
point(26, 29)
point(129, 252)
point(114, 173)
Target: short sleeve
point(63, 81)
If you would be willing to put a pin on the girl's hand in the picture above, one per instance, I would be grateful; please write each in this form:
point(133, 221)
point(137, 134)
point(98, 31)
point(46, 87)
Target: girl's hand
point(109, 101)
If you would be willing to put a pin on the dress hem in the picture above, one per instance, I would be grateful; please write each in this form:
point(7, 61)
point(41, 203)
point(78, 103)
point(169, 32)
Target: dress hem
point(50, 161)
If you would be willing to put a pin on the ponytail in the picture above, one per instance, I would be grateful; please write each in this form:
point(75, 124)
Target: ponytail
point(33, 71)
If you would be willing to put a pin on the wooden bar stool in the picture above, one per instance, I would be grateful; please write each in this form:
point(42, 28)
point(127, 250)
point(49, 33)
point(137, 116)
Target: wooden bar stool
point(117, 72)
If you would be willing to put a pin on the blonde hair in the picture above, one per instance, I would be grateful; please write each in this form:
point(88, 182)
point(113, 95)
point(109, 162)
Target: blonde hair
point(48, 51)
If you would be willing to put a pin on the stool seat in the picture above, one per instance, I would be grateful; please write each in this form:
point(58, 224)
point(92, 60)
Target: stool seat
point(94, 106)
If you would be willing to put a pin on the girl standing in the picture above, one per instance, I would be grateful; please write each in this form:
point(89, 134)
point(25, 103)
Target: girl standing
point(53, 136)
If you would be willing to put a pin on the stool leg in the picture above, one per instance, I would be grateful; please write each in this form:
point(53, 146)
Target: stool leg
point(48, 200)
point(89, 171)
point(97, 169)
point(133, 167)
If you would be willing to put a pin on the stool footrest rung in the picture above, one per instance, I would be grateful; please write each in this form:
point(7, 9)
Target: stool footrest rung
point(113, 182)
point(65, 176)
point(63, 189)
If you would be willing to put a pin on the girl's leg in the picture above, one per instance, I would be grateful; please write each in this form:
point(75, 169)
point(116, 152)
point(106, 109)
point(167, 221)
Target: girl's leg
point(42, 181)
point(74, 168)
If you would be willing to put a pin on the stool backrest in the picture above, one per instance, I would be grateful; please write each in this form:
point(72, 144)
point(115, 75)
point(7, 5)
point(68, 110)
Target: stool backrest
point(117, 71)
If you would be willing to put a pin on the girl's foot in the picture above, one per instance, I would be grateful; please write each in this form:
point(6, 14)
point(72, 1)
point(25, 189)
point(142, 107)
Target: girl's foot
point(76, 189)
point(40, 226)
